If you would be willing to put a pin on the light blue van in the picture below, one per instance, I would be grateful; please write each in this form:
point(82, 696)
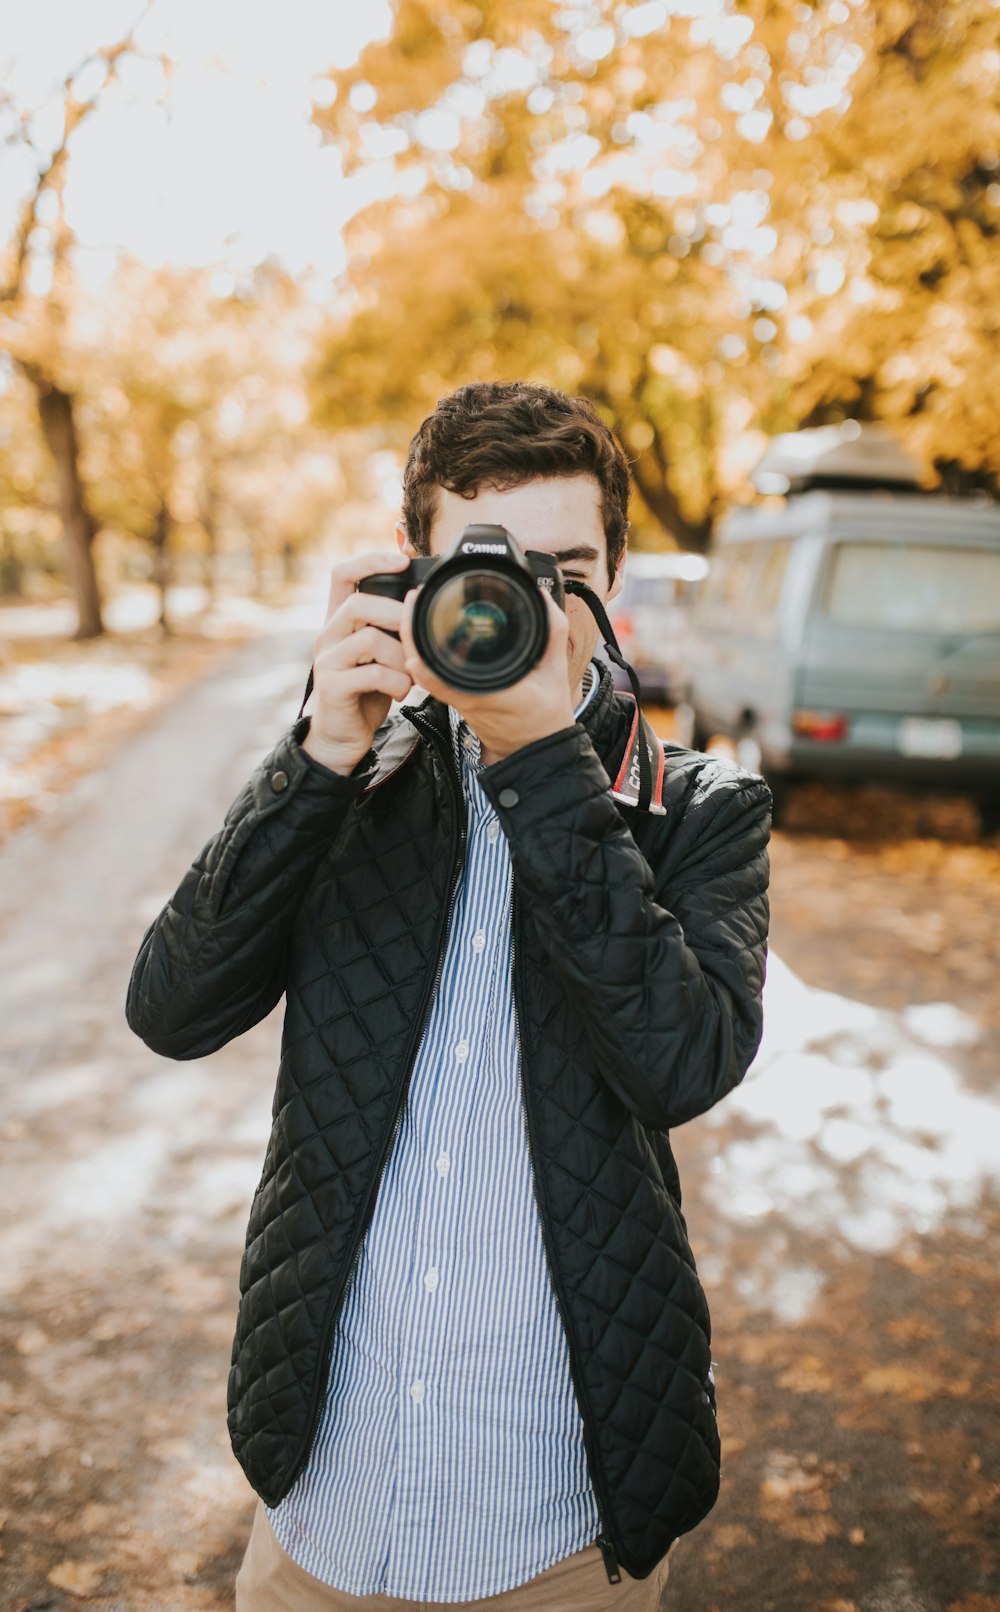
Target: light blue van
point(852, 631)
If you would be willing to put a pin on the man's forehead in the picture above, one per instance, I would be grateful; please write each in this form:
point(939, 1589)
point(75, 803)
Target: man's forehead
point(560, 515)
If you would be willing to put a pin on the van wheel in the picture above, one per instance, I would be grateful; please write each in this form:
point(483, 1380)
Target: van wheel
point(780, 796)
point(989, 815)
point(749, 754)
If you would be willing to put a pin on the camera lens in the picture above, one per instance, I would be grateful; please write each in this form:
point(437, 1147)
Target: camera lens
point(481, 629)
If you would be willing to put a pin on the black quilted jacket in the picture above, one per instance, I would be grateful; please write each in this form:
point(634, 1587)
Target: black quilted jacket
point(639, 944)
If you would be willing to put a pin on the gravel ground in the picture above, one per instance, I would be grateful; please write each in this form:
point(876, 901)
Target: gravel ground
point(843, 1205)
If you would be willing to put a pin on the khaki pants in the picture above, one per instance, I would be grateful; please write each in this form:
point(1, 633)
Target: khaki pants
point(270, 1581)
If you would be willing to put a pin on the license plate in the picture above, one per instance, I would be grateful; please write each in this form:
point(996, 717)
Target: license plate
point(929, 736)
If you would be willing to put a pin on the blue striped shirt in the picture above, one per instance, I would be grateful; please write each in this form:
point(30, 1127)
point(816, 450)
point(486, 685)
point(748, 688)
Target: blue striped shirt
point(449, 1462)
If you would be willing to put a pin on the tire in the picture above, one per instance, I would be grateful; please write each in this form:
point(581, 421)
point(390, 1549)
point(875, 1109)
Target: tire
point(781, 791)
point(989, 815)
point(700, 734)
point(750, 754)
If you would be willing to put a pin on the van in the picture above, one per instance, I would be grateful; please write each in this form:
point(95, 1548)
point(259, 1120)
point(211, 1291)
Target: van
point(649, 618)
point(851, 630)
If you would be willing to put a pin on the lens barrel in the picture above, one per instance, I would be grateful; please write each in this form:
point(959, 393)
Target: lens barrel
point(479, 619)
point(480, 626)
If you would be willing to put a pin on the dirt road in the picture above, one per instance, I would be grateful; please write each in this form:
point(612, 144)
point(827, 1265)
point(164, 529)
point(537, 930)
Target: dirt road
point(843, 1206)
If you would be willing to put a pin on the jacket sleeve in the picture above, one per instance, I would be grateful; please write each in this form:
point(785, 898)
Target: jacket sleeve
point(665, 967)
point(213, 963)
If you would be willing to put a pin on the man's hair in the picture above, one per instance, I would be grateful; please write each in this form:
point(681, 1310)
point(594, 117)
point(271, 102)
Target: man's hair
point(504, 433)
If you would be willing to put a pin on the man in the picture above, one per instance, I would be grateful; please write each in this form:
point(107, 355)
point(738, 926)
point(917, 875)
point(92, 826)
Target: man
point(472, 1358)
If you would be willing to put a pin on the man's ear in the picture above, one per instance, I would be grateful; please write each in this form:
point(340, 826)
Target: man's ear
point(403, 542)
point(619, 581)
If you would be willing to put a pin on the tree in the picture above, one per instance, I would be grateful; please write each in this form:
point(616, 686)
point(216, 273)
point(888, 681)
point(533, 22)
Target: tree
point(201, 431)
point(34, 323)
point(907, 206)
point(681, 211)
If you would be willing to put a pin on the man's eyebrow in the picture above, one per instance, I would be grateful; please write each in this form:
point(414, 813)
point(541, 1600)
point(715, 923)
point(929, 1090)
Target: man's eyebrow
point(583, 551)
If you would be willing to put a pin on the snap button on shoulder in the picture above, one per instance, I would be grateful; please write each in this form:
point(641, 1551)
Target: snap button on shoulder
point(508, 797)
point(279, 781)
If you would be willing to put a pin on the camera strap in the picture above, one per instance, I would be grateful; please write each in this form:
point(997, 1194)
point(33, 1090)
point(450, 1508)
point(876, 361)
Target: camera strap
point(305, 697)
point(635, 784)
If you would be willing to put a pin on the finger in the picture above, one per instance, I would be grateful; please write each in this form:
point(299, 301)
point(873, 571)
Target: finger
point(377, 679)
point(346, 574)
point(417, 668)
point(356, 611)
point(556, 612)
point(415, 665)
point(422, 674)
point(361, 648)
point(405, 626)
point(558, 623)
point(425, 680)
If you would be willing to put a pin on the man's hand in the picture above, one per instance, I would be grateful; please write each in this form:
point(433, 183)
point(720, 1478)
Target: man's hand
point(357, 667)
point(504, 721)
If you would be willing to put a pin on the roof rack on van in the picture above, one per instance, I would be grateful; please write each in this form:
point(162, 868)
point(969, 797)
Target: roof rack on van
point(683, 567)
point(845, 456)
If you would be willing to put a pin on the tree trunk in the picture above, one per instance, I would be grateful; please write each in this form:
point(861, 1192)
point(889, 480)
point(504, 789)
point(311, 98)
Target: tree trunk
point(649, 472)
point(11, 566)
point(958, 480)
point(55, 411)
point(209, 526)
point(161, 560)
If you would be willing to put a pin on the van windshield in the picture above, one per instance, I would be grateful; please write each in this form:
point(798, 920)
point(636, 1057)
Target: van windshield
point(920, 587)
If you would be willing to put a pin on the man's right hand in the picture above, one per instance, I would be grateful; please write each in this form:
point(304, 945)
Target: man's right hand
point(358, 670)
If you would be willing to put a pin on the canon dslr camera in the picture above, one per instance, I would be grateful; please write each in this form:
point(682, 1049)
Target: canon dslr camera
point(479, 620)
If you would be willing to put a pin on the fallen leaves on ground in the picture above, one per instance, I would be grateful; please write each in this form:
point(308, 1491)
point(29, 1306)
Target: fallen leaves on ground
point(79, 1578)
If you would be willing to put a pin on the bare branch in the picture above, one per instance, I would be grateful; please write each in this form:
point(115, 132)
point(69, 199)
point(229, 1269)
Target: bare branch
point(51, 173)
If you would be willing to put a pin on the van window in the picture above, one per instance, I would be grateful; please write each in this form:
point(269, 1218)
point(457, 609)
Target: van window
point(725, 585)
point(766, 590)
point(918, 587)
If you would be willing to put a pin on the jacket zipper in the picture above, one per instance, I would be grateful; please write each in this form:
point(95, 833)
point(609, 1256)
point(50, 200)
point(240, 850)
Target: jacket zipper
point(458, 846)
point(604, 1541)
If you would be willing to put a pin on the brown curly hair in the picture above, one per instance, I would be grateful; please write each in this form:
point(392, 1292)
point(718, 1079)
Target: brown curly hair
point(504, 433)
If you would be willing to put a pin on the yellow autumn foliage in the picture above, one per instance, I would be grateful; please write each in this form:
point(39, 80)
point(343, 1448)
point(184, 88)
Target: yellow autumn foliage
point(717, 222)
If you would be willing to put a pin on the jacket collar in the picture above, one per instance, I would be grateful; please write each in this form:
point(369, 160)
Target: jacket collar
point(603, 718)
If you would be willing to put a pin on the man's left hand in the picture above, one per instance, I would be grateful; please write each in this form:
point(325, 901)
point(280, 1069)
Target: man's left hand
point(503, 721)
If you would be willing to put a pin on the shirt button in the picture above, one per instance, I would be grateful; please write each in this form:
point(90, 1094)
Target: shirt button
point(478, 941)
point(469, 742)
point(431, 1279)
point(279, 781)
point(443, 1165)
point(508, 797)
point(417, 1391)
point(493, 831)
point(462, 1051)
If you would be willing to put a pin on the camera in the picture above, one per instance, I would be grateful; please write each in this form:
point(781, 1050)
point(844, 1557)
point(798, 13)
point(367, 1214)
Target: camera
point(479, 620)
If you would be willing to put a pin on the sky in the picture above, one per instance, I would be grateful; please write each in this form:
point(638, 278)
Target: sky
point(220, 165)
